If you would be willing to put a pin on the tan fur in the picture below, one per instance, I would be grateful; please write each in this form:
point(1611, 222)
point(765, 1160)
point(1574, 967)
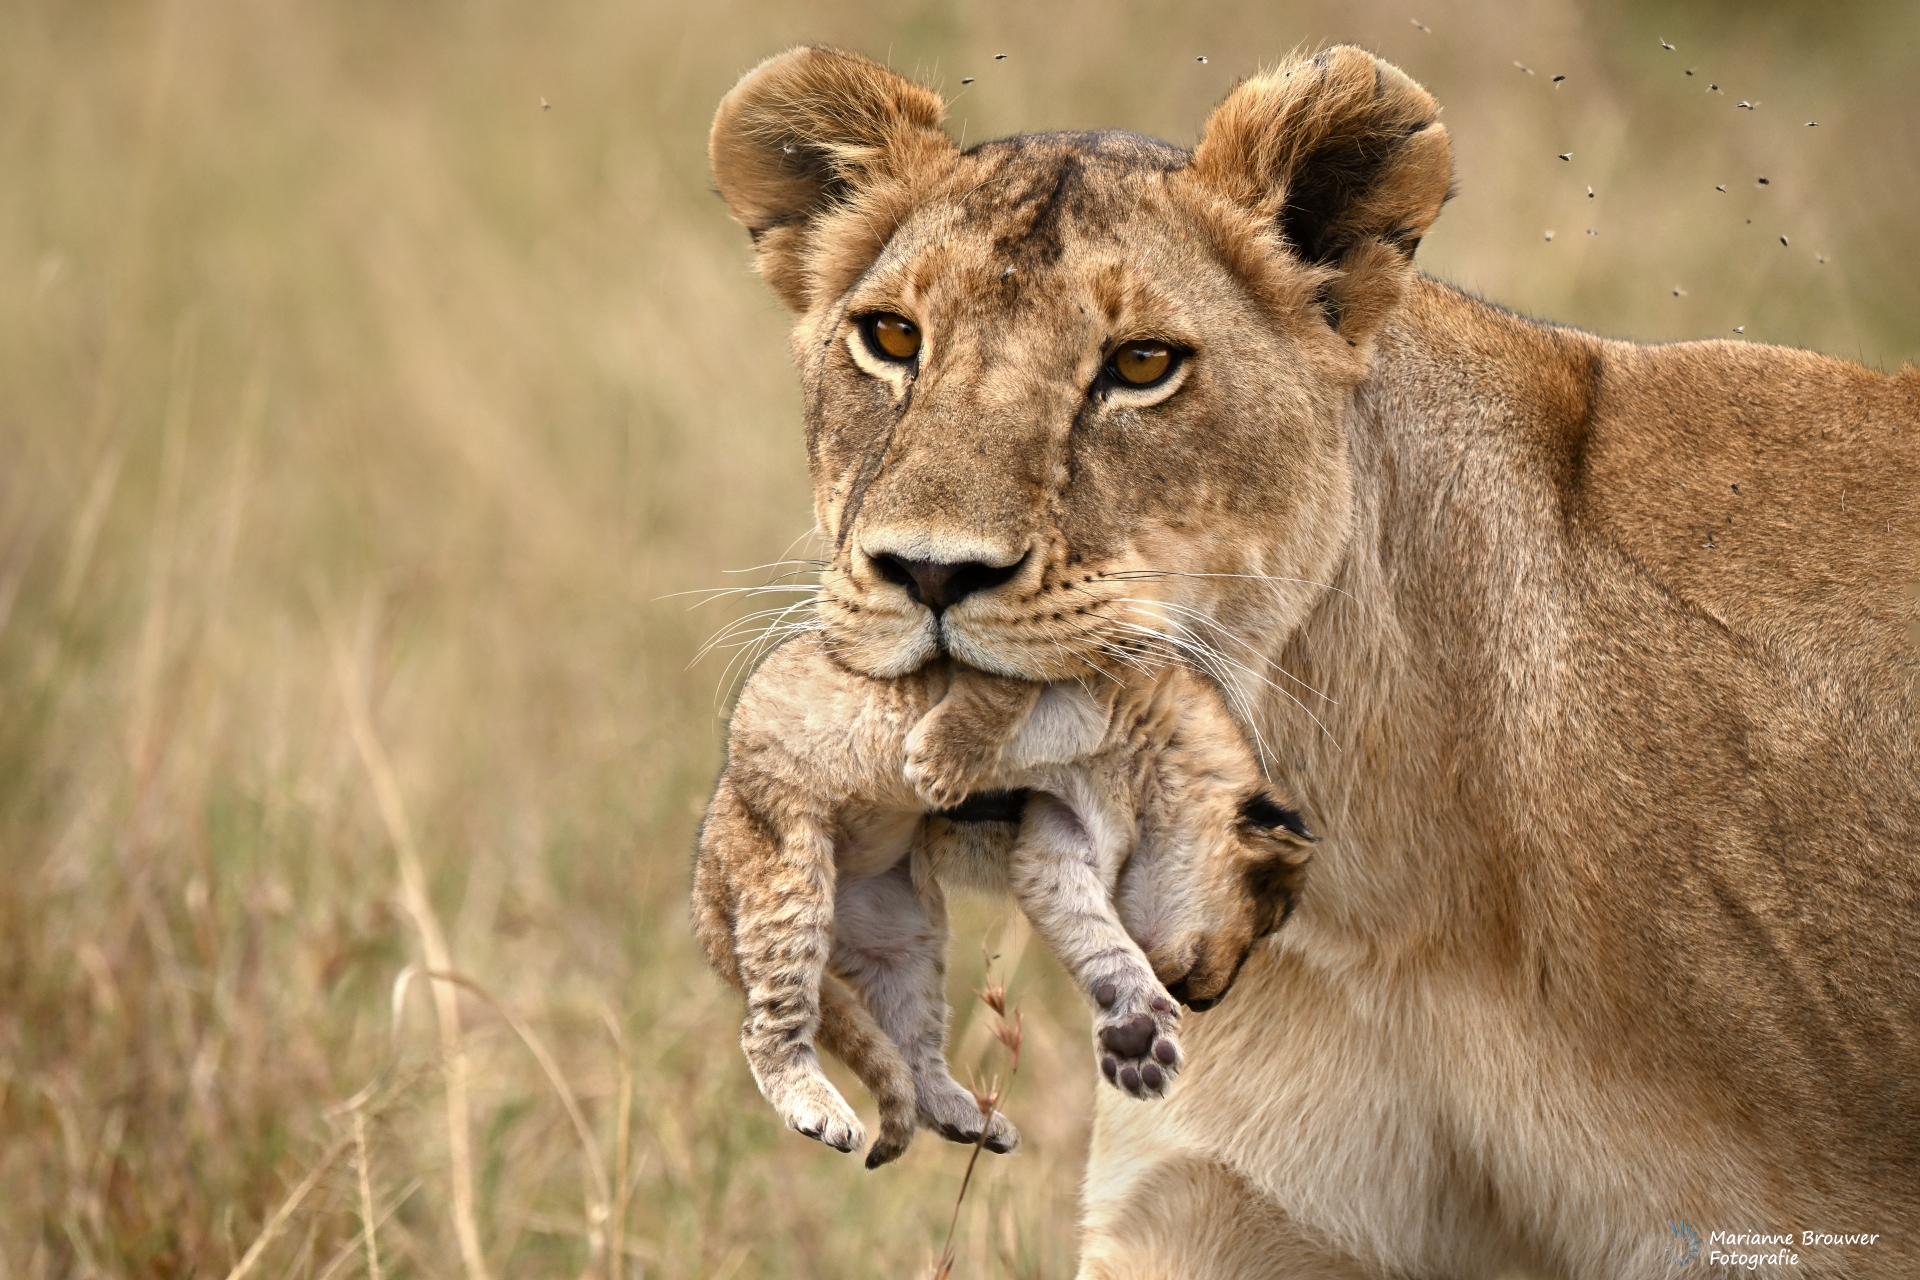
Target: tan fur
point(818, 887)
point(1617, 915)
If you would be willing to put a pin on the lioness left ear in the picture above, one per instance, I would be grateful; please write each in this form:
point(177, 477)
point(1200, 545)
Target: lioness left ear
point(806, 130)
point(1345, 157)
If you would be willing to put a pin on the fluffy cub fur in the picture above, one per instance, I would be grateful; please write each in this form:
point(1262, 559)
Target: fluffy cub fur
point(1149, 850)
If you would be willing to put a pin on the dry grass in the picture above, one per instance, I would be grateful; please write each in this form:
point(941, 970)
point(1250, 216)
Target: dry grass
point(357, 415)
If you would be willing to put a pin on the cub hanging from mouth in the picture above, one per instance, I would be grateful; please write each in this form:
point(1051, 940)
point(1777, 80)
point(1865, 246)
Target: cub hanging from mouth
point(1149, 849)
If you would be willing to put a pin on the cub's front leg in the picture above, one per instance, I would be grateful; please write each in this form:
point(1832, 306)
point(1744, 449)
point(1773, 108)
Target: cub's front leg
point(1066, 892)
point(956, 748)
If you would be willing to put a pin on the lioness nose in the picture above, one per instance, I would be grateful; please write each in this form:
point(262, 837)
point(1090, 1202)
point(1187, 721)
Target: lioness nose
point(941, 586)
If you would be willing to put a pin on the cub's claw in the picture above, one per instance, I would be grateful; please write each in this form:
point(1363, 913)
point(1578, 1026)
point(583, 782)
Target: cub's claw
point(816, 1109)
point(939, 778)
point(1002, 1137)
point(896, 1133)
point(945, 763)
point(951, 1112)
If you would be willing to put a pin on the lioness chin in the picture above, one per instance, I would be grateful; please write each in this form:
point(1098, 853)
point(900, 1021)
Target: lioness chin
point(1589, 660)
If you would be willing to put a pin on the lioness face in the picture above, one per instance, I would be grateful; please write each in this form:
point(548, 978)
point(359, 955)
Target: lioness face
point(1066, 393)
point(1091, 515)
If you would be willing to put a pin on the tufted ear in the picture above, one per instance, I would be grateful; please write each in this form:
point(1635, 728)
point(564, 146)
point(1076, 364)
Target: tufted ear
point(1345, 157)
point(804, 131)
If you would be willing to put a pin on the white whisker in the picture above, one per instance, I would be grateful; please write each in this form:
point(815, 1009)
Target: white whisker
point(1214, 624)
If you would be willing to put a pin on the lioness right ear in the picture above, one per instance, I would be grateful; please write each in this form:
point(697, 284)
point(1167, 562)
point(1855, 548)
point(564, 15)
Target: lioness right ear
point(1345, 156)
point(804, 131)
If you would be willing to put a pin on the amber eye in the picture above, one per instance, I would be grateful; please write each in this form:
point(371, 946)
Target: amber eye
point(891, 336)
point(1140, 364)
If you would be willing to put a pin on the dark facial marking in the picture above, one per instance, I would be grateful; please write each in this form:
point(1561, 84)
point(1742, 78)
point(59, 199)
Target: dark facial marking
point(869, 472)
point(1261, 811)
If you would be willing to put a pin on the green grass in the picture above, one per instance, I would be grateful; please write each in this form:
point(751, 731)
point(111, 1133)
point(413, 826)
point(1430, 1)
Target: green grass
point(337, 373)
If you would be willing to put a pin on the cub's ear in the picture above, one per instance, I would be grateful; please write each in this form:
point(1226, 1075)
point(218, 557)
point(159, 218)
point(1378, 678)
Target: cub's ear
point(806, 130)
point(1345, 157)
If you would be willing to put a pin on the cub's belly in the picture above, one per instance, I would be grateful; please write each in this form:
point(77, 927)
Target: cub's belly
point(873, 841)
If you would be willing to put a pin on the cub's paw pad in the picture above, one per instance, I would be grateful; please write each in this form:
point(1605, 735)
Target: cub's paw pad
point(1138, 1052)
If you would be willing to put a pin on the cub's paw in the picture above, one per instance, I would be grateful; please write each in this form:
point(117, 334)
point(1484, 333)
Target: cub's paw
point(944, 764)
point(897, 1127)
point(951, 1112)
point(811, 1105)
point(1134, 1037)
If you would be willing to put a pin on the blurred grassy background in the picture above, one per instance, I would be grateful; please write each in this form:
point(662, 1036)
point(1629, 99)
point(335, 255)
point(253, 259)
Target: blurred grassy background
point(338, 377)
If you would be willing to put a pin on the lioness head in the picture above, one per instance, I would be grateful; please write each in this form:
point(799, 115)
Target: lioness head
point(1050, 380)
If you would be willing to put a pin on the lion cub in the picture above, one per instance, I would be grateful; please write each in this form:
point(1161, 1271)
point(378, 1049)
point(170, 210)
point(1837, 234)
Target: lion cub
point(1148, 846)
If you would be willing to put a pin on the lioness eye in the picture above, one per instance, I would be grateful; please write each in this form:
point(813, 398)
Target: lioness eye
point(892, 337)
point(1139, 364)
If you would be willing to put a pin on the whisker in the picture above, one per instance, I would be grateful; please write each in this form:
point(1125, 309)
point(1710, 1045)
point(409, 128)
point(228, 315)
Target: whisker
point(1209, 662)
point(1141, 575)
point(775, 564)
point(1219, 666)
point(749, 653)
point(1214, 624)
point(710, 594)
point(745, 623)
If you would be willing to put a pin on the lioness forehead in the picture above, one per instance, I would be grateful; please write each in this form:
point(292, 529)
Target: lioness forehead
point(1079, 227)
point(1036, 193)
point(1053, 177)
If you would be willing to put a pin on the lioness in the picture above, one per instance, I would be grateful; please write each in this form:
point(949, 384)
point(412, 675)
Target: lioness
point(1152, 850)
point(1589, 660)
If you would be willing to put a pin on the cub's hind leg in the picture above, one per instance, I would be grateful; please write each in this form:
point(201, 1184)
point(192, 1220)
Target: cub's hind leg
point(781, 931)
point(890, 944)
point(849, 1033)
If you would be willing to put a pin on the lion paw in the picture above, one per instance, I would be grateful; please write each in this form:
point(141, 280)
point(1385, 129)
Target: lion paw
point(951, 1112)
point(897, 1127)
point(1134, 1038)
point(811, 1105)
point(942, 770)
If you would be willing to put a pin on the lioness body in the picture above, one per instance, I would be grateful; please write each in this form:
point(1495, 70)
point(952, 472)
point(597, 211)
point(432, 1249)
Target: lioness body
point(1630, 932)
point(1595, 663)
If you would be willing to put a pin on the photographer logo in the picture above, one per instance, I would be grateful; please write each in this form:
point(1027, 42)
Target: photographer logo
point(1686, 1243)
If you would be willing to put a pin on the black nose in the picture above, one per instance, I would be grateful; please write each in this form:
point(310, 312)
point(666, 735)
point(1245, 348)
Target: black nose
point(941, 586)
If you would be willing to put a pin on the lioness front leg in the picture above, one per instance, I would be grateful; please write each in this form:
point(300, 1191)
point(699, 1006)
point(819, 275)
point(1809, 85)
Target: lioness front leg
point(890, 944)
point(956, 748)
point(1066, 895)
